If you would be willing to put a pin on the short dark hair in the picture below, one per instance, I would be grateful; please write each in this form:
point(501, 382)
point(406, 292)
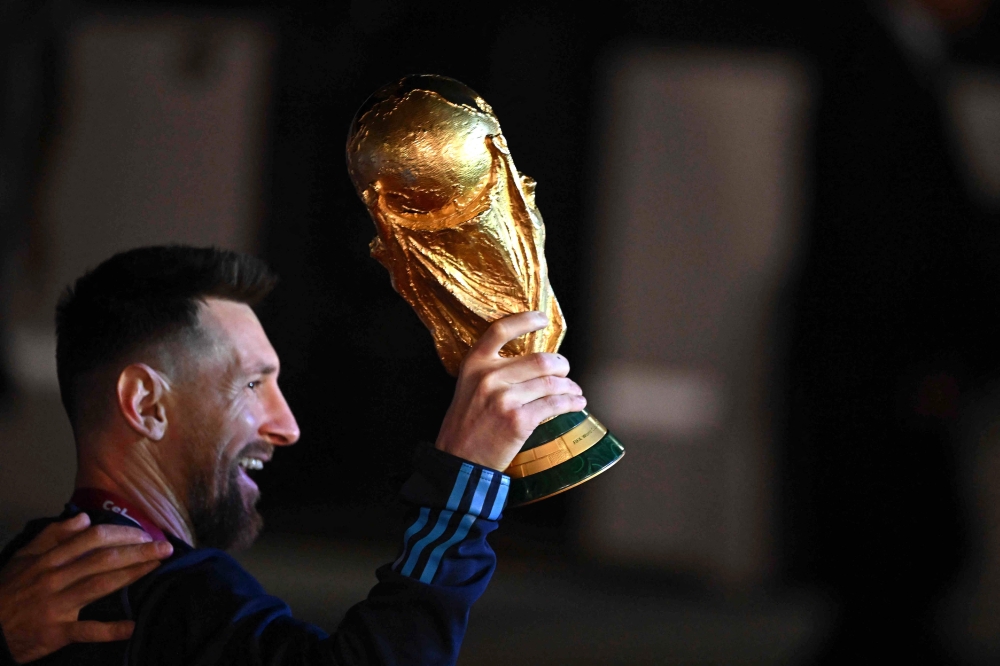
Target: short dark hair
point(141, 297)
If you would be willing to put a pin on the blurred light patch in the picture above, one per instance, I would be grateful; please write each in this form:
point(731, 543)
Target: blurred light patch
point(32, 357)
point(698, 215)
point(162, 128)
point(974, 102)
point(642, 400)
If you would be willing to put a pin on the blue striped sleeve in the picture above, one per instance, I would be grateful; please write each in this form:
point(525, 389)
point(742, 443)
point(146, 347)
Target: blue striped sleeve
point(419, 610)
point(459, 503)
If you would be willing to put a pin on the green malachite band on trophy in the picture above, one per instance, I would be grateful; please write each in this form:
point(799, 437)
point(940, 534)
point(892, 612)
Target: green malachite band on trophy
point(546, 456)
point(553, 428)
point(591, 461)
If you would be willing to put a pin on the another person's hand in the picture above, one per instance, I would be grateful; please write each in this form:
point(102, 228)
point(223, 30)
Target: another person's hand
point(499, 401)
point(67, 566)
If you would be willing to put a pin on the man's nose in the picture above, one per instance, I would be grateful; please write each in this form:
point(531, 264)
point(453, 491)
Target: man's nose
point(280, 428)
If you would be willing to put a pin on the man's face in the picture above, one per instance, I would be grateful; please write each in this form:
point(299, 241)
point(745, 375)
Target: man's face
point(230, 414)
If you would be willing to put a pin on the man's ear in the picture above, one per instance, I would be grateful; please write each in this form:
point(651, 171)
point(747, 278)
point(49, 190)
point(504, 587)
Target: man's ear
point(141, 393)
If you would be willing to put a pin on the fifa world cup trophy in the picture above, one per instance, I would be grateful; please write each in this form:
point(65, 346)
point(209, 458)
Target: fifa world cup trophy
point(459, 232)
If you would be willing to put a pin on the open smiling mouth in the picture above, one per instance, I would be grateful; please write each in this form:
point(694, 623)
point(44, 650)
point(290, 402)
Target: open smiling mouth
point(249, 463)
point(249, 467)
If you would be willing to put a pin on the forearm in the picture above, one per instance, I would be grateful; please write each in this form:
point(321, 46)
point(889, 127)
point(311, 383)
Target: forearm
point(419, 610)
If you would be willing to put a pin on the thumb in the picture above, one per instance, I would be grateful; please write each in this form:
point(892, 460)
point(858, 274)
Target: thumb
point(510, 327)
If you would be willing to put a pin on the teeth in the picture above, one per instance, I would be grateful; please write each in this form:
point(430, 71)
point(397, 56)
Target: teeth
point(251, 463)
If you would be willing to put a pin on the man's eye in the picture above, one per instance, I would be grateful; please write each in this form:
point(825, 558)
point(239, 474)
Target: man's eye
point(253, 385)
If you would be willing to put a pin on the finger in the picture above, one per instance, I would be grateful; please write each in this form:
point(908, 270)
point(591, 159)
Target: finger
point(99, 632)
point(55, 534)
point(96, 587)
point(532, 366)
point(553, 405)
point(504, 330)
point(98, 536)
point(103, 560)
point(542, 387)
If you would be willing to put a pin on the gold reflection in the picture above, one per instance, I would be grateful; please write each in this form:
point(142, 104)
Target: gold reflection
point(457, 226)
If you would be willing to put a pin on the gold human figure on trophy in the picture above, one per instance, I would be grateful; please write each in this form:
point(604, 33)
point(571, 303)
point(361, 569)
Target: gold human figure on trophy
point(458, 229)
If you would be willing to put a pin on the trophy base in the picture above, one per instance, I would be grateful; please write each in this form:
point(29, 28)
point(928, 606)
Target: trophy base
point(561, 454)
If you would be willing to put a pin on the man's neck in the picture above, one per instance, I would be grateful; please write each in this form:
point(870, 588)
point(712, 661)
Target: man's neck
point(141, 486)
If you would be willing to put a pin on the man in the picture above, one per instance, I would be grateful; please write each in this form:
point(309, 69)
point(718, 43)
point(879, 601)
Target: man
point(171, 387)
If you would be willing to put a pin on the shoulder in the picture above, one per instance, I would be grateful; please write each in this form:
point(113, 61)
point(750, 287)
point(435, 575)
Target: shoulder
point(202, 606)
point(200, 571)
point(30, 531)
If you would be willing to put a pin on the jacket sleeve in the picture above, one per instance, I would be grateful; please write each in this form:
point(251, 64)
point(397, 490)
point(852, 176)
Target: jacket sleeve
point(211, 611)
point(419, 610)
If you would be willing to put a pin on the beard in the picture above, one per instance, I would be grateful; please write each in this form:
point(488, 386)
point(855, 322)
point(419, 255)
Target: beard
point(220, 514)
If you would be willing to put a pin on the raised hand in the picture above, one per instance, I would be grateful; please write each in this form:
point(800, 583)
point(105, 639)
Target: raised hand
point(67, 566)
point(499, 401)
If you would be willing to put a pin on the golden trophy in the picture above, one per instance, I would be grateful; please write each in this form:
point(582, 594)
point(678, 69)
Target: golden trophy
point(459, 232)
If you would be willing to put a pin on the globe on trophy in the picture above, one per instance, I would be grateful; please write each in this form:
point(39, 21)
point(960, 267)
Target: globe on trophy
point(459, 232)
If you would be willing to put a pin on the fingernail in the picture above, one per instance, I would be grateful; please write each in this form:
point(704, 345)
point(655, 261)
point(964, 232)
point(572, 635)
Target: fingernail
point(164, 547)
point(146, 538)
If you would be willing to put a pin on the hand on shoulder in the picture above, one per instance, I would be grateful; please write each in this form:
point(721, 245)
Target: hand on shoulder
point(66, 567)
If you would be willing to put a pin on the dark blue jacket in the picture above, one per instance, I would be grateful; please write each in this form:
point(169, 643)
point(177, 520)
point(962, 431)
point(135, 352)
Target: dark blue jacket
point(201, 607)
